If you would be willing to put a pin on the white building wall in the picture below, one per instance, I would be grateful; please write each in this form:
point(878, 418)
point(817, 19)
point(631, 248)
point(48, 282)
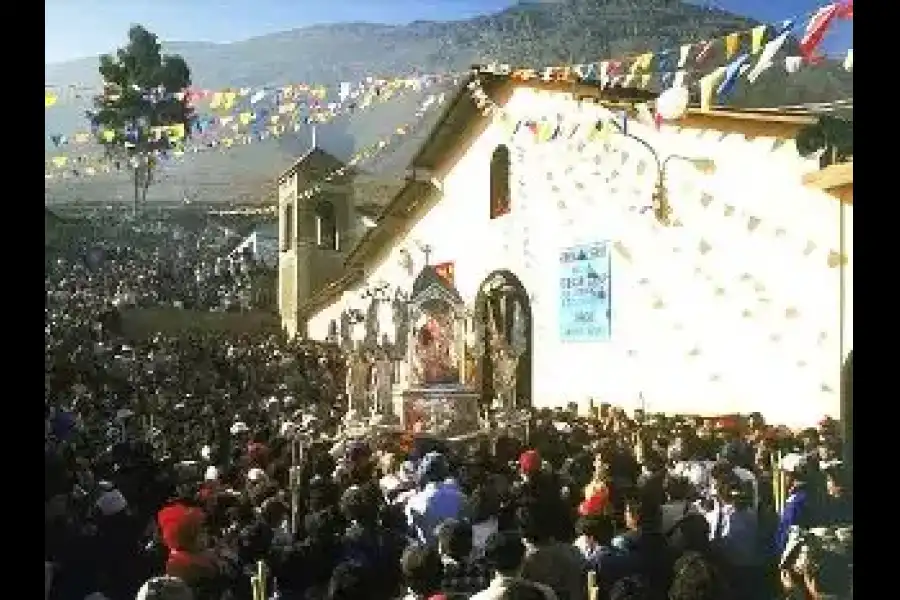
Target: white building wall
point(710, 317)
point(287, 260)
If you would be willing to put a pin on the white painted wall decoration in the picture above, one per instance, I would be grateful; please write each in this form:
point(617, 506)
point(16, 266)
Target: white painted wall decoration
point(734, 310)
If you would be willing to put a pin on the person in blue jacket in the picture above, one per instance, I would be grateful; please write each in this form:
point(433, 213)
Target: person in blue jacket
point(797, 507)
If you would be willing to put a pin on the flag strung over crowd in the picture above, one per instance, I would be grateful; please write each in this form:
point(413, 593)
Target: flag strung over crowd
point(253, 114)
point(65, 167)
point(745, 54)
point(226, 98)
point(223, 133)
point(221, 113)
point(668, 65)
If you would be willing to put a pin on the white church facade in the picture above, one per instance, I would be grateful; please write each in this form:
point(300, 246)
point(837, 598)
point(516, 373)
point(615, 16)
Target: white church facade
point(730, 293)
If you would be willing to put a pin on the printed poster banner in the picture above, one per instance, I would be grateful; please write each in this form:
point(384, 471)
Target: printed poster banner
point(584, 293)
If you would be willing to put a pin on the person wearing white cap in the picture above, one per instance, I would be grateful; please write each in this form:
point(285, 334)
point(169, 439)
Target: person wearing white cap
point(164, 588)
point(796, 507)
point(212, 474)
point(256, 475)
point(239, 428)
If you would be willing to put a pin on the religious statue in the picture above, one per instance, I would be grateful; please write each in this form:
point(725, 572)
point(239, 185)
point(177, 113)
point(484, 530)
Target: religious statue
point(432, 394)
point(434, 357)
point(370, 340)
point(345, 340)
point(505, 360)
point(401, 326)
point(357, 383)
point(384, 380)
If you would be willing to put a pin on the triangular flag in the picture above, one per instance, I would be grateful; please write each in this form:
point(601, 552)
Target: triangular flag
point(176, 132)
point(545, 130)
point(683, 53)
point(792, 64)
point(757, 37)
point(230, 98)
point(816, 28)
point(845, 10)
point(257, 96)
point(848, 61)
point(603, 72)
point(768, 53)
point(732, 43)
point(645, 60)
point(707, 85)
point(732, 71)
point(784, 26)
point(635, 66)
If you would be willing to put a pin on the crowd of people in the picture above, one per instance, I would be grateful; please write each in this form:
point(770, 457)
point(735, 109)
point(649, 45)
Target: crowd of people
point(210, 466)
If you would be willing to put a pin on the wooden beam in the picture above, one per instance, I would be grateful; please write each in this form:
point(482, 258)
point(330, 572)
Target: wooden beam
point(830, 177)
point(749, 124)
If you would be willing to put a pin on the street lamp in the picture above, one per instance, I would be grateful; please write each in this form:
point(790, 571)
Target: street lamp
point(661, 207)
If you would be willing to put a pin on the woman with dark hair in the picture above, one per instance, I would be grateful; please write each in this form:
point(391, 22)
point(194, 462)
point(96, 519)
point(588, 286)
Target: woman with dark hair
point(696, 578)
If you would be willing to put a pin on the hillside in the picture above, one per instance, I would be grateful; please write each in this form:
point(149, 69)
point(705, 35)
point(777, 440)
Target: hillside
point(526, 34)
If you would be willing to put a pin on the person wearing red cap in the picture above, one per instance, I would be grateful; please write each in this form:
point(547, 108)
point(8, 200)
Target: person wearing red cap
point(544, 488)
point(596, 504)
point(529, 463)
point(181, 530)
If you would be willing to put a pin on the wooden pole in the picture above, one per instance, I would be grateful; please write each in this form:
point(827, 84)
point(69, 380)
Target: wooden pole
point(259, 588)
point(593, 592)
point(773, 467)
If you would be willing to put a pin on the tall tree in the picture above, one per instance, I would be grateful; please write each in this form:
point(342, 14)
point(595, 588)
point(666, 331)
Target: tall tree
point(144, 110)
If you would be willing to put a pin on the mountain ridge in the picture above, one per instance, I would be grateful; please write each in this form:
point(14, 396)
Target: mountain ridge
point(525, 34)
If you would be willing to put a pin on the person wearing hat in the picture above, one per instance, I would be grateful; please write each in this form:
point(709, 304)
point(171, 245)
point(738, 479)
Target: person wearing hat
point(545, 489)
point(165, 588)
point(181, 531)
point(797, 510)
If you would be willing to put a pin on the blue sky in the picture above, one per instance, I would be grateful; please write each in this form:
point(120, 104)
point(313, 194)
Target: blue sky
point(78, 28)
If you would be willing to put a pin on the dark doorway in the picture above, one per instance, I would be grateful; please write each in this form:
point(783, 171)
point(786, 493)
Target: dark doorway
point(503, 313)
